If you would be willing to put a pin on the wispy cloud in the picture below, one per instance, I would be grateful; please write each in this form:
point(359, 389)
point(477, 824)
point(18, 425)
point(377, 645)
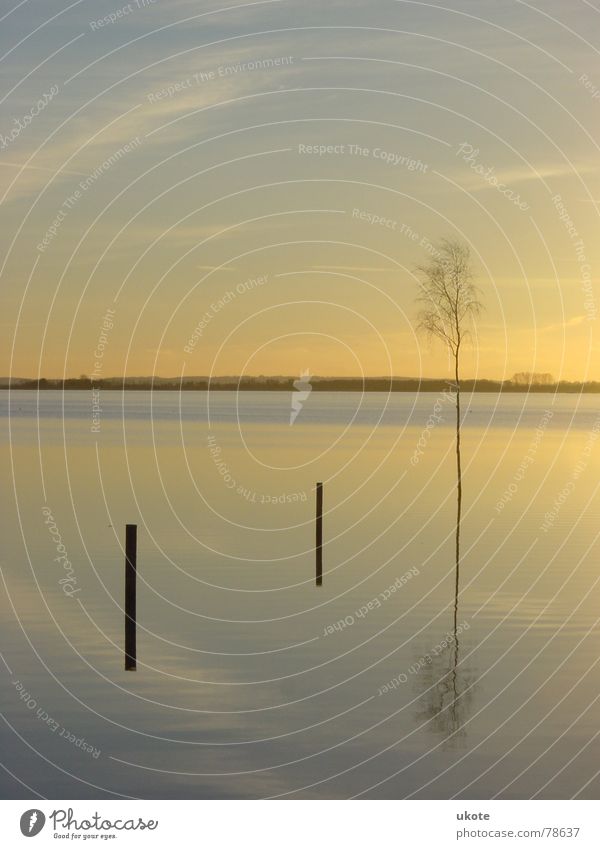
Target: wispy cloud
point(575, 321)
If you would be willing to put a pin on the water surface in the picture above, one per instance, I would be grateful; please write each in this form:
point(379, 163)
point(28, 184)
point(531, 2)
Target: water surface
point(251, 681)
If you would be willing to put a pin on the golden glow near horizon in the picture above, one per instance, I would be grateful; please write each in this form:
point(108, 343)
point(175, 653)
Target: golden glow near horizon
point(249, 191)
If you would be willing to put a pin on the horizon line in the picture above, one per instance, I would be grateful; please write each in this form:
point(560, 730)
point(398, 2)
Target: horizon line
point(284, 377)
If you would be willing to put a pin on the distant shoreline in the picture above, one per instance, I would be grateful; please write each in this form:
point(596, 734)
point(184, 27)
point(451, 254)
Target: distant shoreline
point(284, 384)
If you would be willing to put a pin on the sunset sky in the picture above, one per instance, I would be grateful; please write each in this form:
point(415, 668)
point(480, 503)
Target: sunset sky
point(196, 167)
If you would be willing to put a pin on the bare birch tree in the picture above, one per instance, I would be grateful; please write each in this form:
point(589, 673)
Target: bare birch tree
point(449, 304)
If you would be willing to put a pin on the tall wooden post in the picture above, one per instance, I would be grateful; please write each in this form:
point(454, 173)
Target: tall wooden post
point(319, 536)
point(130, 596)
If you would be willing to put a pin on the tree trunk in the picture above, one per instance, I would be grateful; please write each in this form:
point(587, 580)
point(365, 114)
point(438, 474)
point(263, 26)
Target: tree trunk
point(458, 488)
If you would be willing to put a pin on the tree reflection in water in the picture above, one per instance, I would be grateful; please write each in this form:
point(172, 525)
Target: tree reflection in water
point(446, 684)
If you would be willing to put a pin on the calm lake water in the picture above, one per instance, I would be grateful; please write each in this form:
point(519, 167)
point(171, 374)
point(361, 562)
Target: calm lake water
point(253, 682)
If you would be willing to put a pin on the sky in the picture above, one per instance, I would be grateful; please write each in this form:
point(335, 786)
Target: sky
point(247, 188)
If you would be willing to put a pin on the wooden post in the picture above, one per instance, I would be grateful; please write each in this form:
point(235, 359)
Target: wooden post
point(130, 596)
point(319, 539)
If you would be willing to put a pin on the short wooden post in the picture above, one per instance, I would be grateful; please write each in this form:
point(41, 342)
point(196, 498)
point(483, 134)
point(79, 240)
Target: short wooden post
point(130, 596)
point(319, 537)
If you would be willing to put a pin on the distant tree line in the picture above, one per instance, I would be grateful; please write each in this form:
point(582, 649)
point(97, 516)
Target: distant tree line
point(533, 378)
point(521, 382)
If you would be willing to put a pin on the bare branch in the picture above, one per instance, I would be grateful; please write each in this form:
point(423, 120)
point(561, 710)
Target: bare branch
point(449, 299)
